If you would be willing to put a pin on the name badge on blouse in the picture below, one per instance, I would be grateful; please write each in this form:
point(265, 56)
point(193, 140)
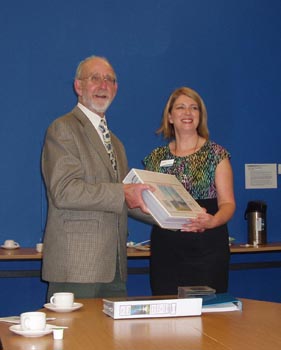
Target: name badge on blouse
point(167, 163)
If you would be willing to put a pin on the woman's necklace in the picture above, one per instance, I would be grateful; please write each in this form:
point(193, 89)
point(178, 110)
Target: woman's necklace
point(191, 149)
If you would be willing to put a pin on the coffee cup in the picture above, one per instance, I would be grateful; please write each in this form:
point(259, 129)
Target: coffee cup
point(10, 243)
point(39, 247)
point(33, 321)
point(62, 300)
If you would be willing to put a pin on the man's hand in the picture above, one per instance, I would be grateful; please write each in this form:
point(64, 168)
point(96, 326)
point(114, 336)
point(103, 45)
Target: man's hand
point(133, 196)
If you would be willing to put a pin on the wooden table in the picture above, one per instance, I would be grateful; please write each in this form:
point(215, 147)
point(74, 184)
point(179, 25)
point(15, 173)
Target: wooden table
point(234, 249)
point(24, 254)
point(20, 254)
point(243, 249)
point(257, 327)
point(32, 254)
point(246, 248)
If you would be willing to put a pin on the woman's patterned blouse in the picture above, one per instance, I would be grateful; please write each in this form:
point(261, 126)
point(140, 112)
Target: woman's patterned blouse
point(196, 172)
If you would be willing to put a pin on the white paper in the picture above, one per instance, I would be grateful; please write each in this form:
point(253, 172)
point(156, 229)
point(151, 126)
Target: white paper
point(260, 176)
point(224, 307)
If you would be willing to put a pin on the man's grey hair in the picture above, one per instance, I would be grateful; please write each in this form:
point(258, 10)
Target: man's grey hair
point(80, 65)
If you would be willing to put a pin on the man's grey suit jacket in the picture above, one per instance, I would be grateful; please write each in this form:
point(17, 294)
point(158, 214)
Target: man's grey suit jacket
point(87, 213)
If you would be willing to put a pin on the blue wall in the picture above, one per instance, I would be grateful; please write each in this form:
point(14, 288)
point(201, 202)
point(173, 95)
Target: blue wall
point(229, 51)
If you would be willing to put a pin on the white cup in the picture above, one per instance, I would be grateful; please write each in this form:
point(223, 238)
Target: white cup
point(10, 243)
point(39, 247)
point(33, 321)
point(62, 300)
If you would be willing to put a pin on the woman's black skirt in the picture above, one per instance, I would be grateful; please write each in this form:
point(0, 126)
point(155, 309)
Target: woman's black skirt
point(189, 258)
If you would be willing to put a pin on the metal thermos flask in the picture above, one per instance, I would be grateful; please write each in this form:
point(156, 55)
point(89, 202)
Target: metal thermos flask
point(255, 214)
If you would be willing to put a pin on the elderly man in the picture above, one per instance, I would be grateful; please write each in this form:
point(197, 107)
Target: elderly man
point(83, 166)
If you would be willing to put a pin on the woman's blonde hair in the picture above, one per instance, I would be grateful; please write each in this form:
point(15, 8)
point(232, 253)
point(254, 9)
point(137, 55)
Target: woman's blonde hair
point(167, 129)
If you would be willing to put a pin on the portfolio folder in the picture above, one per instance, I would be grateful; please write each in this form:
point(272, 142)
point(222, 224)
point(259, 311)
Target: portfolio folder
point(170, 204)
point(221, 302)
point(145, 308)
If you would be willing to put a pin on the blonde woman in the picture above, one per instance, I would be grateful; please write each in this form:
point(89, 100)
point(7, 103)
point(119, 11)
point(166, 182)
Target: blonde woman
point(198, 254)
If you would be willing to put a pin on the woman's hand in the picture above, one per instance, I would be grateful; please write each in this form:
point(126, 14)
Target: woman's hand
point(199, 224)
point(226, 202)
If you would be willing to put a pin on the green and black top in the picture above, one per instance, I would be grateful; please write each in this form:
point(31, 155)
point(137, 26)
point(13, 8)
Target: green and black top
point(196, 171)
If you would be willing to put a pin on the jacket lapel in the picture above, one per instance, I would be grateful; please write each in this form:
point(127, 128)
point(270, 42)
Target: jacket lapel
point(95, 140)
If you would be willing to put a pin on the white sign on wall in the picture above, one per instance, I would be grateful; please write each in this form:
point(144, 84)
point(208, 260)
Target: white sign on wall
point(260, 176)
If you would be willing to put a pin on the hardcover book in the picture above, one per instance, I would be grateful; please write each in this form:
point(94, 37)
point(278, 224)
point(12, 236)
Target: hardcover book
point(170, 204)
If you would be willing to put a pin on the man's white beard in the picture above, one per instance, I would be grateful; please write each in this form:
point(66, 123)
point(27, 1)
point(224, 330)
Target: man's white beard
point(95, 107)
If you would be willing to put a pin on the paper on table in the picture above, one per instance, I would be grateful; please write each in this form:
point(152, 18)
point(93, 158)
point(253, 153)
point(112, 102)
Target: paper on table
point(10, 319)
point(16, 319)
point(140, 243)
point(221, 307)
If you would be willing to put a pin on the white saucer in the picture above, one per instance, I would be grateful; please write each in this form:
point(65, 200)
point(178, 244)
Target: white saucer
point(52, 307)
point(15, 247)
point(31, 334)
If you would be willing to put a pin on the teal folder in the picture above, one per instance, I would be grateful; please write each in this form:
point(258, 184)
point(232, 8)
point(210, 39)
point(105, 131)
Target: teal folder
point(221, 302)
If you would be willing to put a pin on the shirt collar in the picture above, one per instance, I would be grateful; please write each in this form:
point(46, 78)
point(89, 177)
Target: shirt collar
point(93, 117)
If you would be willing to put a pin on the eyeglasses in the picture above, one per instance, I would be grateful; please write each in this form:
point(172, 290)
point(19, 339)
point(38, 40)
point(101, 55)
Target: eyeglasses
point(97, 79)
